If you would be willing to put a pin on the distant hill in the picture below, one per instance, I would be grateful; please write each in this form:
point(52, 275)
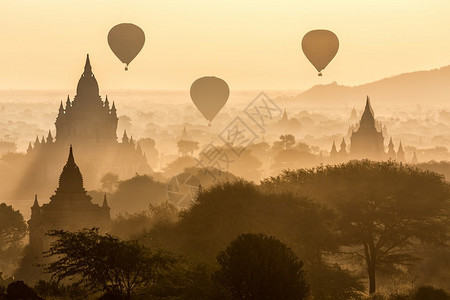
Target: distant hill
point(431, 87)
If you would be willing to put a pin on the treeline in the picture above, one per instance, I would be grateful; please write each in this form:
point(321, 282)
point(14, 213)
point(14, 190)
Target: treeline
point(333, 232)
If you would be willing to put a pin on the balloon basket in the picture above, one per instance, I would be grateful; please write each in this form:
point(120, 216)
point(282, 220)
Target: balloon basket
point(126, 68)
point(209, 124)
point(320, 74)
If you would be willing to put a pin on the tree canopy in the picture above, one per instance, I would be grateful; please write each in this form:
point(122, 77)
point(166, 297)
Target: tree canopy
point(12, 226)
point(103, 261)
point(383, 207)
point(256, 266)
point(228, 209)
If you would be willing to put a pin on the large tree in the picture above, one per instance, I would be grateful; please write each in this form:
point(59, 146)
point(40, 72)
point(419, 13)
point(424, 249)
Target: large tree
point(135, 194)
point(228, 209)
point(287, 140)
point(104, 262)
point(12, 231)
point(256, 266)
point(12, 226)
point(384, 208)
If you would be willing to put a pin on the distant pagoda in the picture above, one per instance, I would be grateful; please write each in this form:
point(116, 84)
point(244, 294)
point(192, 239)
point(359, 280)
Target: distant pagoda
point(87, 119)
point(366, 140)
point(89, 124)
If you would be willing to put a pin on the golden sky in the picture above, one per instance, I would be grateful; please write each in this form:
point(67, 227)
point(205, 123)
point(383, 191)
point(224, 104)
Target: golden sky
point(250, 44)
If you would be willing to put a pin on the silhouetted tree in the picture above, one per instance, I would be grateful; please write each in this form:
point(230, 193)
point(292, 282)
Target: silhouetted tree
point(109, 182)
point(135, 194)
point(57, 290)
point(187, 147)
point(104, 262)
point(128, 226)
point(255, 266)
point(189, 279)
point(12, 231)
point(442, 167)
point(245, 164)
point(334, 283)
point(384, 207)
point(429, 292)
point(293, 159)
point(209, 176)
point(233, 208)
point(19, 290)
point(288, 140)
point(179, 165)
point(12, 226)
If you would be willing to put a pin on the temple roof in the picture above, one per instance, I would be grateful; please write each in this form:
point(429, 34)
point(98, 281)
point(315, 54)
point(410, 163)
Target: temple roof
point(87, 85)
point(333, 147)
point(367, 119)
point(71, 179)
point(285, 116)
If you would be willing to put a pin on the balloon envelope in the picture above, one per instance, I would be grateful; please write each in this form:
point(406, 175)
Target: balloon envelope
point(209, 94)
point(126, 41)
point(320, 46)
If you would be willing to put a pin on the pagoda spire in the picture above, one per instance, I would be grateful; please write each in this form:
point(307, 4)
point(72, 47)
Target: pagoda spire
point(70, 179)
point(343, 146)
point(70, 159)
point(353, 115)
point(400, 153)
point(113, 110)
point(391, 151)
point(35, 204)
point(30, 148)
point(285, 116)
point(105, 202)
point(368, 118)
point(414, 159)
point(333, 152)
point(106, 102)
point(184, 134)
point(49, 137)
point(125, 136)
point(87, 66)
point(68, 102)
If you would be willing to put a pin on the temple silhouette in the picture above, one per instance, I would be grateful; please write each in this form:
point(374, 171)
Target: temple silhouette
point(87, 119)
point(367, 141)
point(70, 208)
point(89, 124)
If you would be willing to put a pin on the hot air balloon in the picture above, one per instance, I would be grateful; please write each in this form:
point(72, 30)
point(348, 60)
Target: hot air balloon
point(209, 94)
point(126, 41)
point(320, 46)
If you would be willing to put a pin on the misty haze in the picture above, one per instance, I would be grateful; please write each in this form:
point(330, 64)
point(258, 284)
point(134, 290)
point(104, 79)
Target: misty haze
point(129, 170)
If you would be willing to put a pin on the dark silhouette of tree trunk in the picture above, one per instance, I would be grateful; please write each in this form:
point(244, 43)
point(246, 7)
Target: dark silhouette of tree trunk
point(384, 208)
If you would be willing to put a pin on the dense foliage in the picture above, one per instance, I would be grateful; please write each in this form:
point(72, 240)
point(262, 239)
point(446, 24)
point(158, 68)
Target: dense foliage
point(104, 262)
point(383, 208)
point(255, 266)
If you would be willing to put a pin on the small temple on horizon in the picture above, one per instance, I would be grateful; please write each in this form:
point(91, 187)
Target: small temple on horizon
point(367, 141)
